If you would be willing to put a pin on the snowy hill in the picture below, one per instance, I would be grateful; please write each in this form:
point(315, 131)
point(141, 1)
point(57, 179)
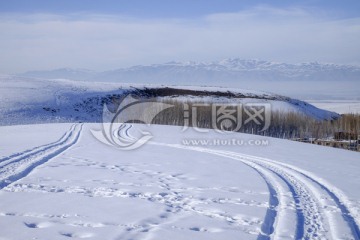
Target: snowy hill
point(27, 100)
point(224, 70)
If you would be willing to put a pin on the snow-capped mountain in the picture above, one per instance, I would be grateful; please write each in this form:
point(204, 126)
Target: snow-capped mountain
point(205, 72)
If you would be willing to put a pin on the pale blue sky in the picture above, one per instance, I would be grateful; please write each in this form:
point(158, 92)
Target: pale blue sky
point(109, 34)
point(173, 8)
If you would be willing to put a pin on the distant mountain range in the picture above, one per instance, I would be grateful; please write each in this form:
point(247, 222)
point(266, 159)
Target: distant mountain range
point(227, 70)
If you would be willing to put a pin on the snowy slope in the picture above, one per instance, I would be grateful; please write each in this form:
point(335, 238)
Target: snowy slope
point(73, 186)
point(28, 100)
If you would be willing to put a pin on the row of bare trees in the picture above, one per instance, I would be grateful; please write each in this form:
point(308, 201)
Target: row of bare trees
point(282, 124)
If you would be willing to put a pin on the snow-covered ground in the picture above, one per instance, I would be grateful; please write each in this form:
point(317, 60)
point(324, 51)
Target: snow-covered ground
point(58, 182)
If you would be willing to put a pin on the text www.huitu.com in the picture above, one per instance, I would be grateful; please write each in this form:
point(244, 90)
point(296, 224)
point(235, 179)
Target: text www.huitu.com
point(225, 142)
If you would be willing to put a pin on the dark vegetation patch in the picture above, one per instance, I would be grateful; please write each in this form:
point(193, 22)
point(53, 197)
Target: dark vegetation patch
point(175, 92)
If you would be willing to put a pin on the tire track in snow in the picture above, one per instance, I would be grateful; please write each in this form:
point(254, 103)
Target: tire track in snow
point(278, 201)
point(281, 209)
point(21, 155)
point(19, 165)
point(276, 222)
point(323, 211)
point(324, 192)
point(315, 217)
point(123, 133)
point(330, 206)
point(267, 228)
point(278, 198)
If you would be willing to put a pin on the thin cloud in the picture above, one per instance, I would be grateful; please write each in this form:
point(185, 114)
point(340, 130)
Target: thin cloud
point(101, 42)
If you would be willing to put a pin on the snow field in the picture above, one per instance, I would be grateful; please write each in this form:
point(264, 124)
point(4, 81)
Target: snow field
point(77, 187)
